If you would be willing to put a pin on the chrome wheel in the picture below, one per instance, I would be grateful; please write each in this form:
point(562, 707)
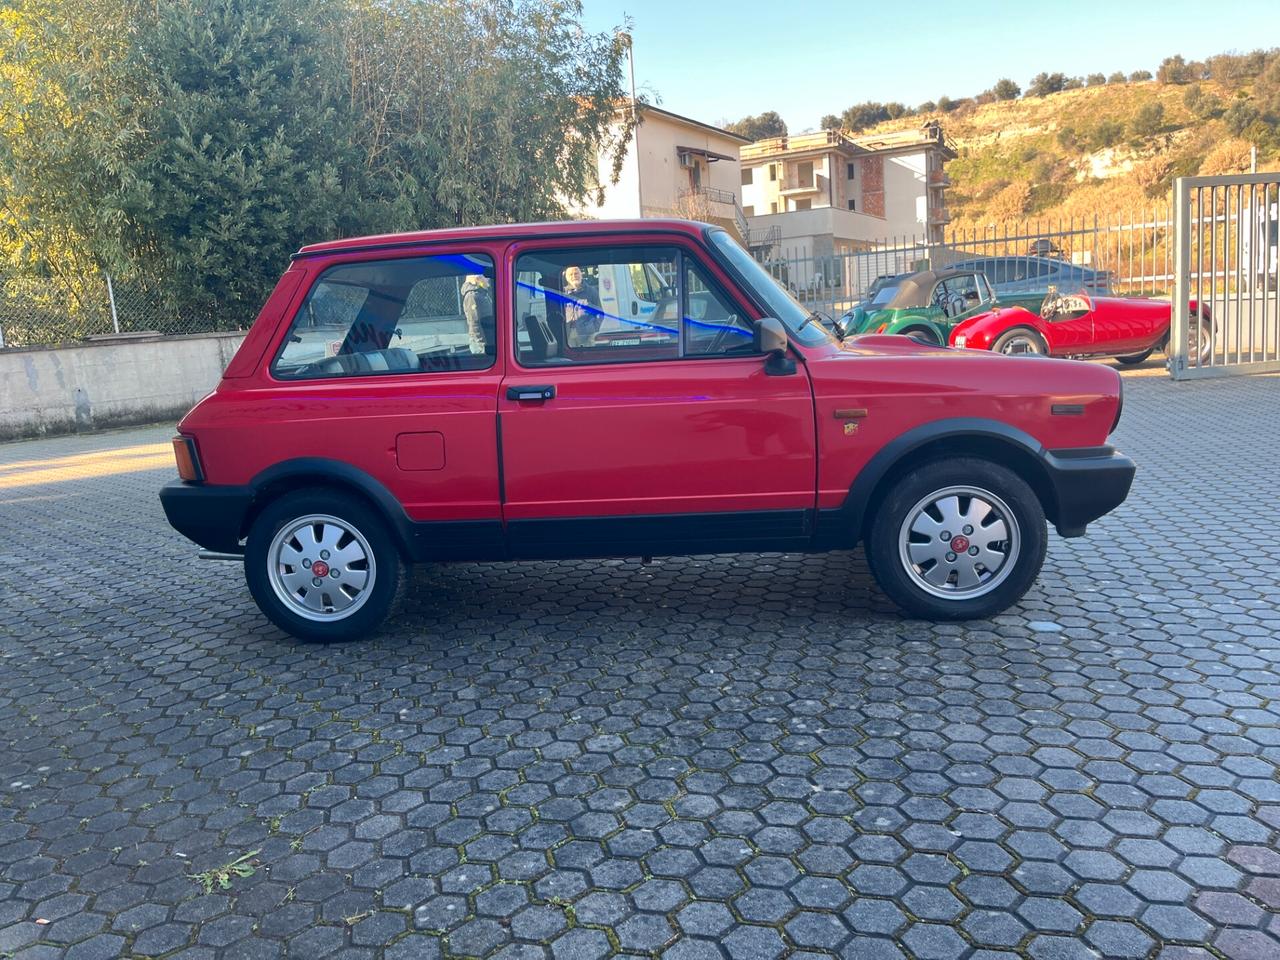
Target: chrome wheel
point(959, 542)
point(1021, 343)
point(321, 567)
point(1198, 342)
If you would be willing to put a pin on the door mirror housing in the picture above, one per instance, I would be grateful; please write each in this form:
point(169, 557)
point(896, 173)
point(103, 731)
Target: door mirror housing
point(771, 340)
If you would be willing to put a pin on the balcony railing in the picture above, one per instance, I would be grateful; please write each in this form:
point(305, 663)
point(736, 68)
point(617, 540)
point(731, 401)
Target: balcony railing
point(796, 184)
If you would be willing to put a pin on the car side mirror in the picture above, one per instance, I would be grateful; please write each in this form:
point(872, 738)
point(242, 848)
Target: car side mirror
point(771, 340)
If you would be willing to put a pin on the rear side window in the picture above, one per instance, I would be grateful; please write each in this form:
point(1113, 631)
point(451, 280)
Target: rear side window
point(408, 315)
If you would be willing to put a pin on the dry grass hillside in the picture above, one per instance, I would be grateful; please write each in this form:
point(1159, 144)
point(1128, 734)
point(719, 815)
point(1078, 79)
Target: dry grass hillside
point(1110, 150)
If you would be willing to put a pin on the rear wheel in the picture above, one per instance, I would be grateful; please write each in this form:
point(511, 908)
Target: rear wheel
point(957, 540)
point(322, 565)
point(1137, 357)
point(1020, 340)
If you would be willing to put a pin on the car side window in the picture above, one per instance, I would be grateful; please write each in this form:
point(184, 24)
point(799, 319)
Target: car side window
point(713, 325)
point(619, 305)
point(406, 315)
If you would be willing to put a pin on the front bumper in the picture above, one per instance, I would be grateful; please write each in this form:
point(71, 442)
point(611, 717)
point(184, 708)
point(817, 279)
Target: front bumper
point(212, 516)
point(1087, 482)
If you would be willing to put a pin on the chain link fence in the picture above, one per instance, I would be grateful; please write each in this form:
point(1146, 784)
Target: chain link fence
point(47, 311)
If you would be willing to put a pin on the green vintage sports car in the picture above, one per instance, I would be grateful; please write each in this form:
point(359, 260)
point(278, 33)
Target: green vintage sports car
point(927, 304)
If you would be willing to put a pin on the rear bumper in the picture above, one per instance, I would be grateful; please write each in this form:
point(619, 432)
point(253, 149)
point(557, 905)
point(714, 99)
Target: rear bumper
point(212, 516)
point(1088, 482)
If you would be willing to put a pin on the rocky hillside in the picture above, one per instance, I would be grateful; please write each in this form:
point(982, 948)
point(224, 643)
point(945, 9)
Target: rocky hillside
point(1109, 150)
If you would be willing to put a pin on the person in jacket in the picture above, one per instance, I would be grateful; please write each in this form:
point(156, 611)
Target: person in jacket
point(582, 316)
point(477, 308)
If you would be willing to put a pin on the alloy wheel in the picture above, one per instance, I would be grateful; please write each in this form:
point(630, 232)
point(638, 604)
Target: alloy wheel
point(321, 567)
point(959, 543)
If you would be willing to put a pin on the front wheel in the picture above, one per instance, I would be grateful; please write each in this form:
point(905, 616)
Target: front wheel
point(322, 566)
point(957, 540)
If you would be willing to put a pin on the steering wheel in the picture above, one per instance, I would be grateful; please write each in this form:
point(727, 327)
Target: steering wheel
point(1050, 307)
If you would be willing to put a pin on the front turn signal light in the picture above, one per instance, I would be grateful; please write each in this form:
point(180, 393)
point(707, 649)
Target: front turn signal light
point(184, 452)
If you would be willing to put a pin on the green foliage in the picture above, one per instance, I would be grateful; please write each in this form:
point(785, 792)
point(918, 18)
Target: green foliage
point(1176, 70)
point(192, 145)
point(1149, 120)
point(766, 125)
point(1043, 84)
point(863, 115)
point(1240, 116)
point(1201, 104)
point(1096, 79)
point(1139, 75)
point(1116, 77)
point(1006, 89)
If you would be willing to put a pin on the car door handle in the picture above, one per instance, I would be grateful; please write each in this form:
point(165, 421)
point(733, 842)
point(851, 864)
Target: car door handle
point(536, 394)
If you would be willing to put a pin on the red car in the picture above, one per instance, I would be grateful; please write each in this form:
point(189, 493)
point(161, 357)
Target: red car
point(452, 396)
point(1079, 325)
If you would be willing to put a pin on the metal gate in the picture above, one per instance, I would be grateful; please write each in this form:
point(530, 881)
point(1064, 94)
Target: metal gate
point(1226, 313)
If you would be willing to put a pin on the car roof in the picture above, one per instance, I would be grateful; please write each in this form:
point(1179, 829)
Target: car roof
point(915, 288)
point(505, 231)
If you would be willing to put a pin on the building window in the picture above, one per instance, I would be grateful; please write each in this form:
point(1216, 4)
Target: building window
point(805, 204)
point(749, 211)
point(853, 168)
point(773, 171)
point(746, 176)
point(852, 205)
point(773, 208)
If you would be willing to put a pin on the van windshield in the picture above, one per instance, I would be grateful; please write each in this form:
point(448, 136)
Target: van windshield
point(779, 303)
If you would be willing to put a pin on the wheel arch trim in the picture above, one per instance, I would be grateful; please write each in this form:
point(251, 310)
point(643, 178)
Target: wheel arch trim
point(1025, 457)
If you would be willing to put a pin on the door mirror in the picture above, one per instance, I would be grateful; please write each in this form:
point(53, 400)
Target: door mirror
point(771, 340)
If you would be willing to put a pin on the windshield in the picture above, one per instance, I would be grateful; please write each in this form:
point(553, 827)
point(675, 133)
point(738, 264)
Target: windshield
point(778, 302)
point(883, 296)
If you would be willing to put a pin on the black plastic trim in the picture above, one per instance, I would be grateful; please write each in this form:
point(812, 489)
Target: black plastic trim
point(208, 515)
point(677, 534)
point(1088, 483)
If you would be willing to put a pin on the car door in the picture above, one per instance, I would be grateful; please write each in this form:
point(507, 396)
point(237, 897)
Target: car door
point(391, 368)
point(669, 437)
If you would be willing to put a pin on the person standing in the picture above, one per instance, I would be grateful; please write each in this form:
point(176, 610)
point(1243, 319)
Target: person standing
point(582, 317)
point(477, 308)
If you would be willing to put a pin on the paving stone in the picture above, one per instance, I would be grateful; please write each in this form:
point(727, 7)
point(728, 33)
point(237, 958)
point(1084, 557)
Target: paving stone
point(737, 769)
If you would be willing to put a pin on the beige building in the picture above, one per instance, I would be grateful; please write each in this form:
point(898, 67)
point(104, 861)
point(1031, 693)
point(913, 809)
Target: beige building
point(674, 167)
point(820, 194)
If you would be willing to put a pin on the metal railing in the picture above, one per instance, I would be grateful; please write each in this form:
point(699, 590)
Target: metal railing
point(1226, 317)
point(1125, 256)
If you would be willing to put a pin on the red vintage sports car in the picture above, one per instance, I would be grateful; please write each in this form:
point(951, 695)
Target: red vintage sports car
point(1079, 325)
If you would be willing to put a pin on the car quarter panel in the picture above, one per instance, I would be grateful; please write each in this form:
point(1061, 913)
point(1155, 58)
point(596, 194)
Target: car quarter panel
point(875, 390)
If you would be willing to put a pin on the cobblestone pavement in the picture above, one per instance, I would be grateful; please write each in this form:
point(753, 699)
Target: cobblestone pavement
point(737, 757)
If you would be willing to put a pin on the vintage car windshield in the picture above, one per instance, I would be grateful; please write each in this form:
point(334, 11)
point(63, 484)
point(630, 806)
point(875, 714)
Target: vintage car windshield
point(779, 303)
point(883, 296)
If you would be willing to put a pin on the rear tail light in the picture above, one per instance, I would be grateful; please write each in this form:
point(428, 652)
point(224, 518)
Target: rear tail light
point(881, 328)
point(184, 452)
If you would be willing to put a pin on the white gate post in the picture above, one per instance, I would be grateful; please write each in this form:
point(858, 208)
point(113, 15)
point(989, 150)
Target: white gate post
point(1180, 323)
point(111, 296)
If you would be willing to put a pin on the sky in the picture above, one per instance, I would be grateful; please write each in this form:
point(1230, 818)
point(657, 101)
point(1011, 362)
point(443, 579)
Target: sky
point(717, 61)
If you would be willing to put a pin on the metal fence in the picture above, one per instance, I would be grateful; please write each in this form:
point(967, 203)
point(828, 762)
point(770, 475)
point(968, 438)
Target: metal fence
point(1226, 315)
point(39, 311)
point(1128, 256)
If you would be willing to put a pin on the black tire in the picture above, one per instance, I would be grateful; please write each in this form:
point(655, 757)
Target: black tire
point(1137, 357)
point(922, 335)
point(889, 540)
point(373, 604)
point(1021, 333)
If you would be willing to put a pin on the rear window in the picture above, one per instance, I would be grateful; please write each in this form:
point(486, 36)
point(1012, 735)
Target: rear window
point(408, 315)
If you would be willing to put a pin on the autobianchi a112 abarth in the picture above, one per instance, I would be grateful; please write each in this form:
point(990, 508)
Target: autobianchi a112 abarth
point(620, 389)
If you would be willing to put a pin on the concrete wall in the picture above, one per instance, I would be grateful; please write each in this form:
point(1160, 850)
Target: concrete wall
point(108, 383)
